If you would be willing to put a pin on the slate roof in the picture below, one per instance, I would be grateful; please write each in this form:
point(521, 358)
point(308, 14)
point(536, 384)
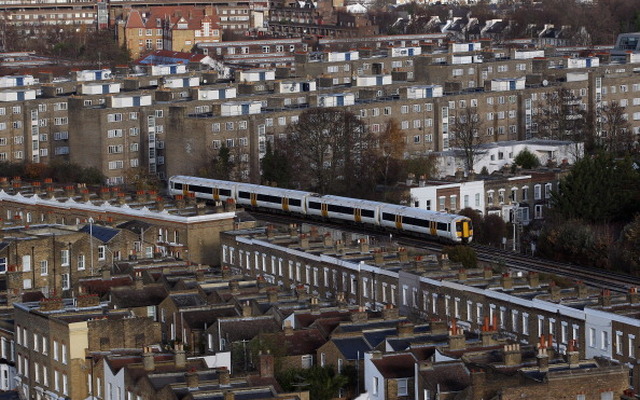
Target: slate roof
point(351, 347)
point(134, 226)
point(169, 57)
point(102, 233)
point(235, 329)
point(301, 342)
point(129, 297)
point(187, 299)
point(396, 366)
point(198, 319)
point(446, 377)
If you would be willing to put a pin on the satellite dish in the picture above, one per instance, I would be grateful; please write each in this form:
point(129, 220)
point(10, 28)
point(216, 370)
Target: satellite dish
point(545, 83)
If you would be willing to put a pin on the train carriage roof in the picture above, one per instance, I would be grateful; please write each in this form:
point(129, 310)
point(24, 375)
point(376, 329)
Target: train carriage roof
point(420, 213)
point(347, 201)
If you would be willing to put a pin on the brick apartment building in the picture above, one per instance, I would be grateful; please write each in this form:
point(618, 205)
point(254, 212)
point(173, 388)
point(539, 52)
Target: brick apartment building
point(168, 124)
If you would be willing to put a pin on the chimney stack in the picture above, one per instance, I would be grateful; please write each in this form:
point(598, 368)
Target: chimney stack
point(605, 298)
point(633, 295)
point(457, 339)
point(266, 362)
point(487, 273)
point(224, 378)
point(390, 312)
point(229, 395)
point(148, 361)
point(543, 359)
point(180, 357)
point(512, 355)
point(573, 355)
point(533, 279)
point(192, 379)
point(247, 309)
point(506, 281)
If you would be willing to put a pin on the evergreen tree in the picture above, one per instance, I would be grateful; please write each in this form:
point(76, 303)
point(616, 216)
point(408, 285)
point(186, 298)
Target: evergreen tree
point(275, 168)
point(527, 159)
point(598, 189)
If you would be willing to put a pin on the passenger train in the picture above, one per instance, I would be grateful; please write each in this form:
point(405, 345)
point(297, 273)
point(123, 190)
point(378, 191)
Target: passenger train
point(449, 227)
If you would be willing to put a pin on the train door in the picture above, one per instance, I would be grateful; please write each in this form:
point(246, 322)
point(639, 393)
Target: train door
point(216, 194)
point(254, 199)
point(432, 228)
point(466, 229)
point(185, 190)
point(398, 221)
point(285, 203)
point(324, 209)
point(357, 214)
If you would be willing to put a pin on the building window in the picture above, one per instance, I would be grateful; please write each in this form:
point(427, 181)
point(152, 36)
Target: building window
point(403, 387)
point(64, 257)
point(101, 252)
point(65, 282)
point(81, 263)
point(44, 267)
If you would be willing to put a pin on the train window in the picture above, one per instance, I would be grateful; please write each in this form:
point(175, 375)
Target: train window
point(388, 217)
point(442, 226)
point(459, 226)
point(244, 195)
point(415, 221)
point(269, 198)
point(295, 202)
point(225, 192)
point(314, 205)
point(367, 213)
point(200, 189)
point(340, 209)
point(177, 186)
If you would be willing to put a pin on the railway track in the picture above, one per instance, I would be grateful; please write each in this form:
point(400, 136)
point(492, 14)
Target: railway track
point(514, 261)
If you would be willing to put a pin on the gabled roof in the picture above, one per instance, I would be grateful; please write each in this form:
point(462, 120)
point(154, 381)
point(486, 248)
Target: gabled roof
point(102, 233)
point(446, 377)
point(352, 347)
point(129, 297)
point(396, 365)
point(134, 21)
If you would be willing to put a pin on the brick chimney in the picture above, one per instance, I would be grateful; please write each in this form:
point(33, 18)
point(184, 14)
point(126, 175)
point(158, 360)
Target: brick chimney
point(378, 257)
point(293, 230)
point(439, 327)
point(234, 286)
point(543, 360)
point(192, 379)
point(247, 310)
point(288, 329)
point(88, 300)
point(633, 297)
point(478, 384)
point(573, 355)
point(364, 245)
point(487, 273)
point(581, 290)
point(180, 357)
point(554, 292)
point(138, 282)
point(272, 295)
point(229, 395)
point(266, 364)
point(457, 339)
point(390, 312)
point(405, 329)
point(148, 362)
point(506, 281)
point(51, 304)
point(533, 279)
point(462, 274)
point(224, 378)
point(403, 255)
point(359, 316)
point(512, 355)
point(327, 240)
point(605, 298)
point(304, 241)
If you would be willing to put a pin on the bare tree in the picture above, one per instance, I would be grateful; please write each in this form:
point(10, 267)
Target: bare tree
point(331, 151)
point(615, 132)
point(465, 135)
point(561, 117)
